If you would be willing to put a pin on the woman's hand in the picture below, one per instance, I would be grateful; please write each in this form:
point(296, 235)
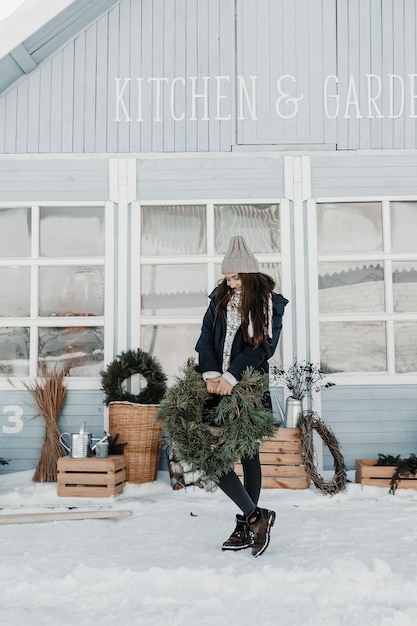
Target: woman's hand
point(224, 388)
point(211, 384)
point(219, 386)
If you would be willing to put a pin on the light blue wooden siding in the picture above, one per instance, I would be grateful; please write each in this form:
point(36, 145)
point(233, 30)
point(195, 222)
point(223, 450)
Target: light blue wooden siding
point(371, 420)
point(379, 175)
point(379, 38)
point(47, 180)
point(210, 179)
point(277, 38)
point(68, 104)
point(44, 42)
point(22, 449)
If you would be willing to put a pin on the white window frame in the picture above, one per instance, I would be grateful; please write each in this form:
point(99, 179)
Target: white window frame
point(389, 316)
point(34, 321)
point(210, 260)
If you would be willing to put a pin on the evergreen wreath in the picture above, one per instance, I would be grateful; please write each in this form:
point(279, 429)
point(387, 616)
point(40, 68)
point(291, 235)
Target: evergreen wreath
point(211, 441)
point(126, 365)
point(307, 423)
point(405, 468)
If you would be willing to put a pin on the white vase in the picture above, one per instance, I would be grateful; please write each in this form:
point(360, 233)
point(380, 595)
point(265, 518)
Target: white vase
point(293, 409)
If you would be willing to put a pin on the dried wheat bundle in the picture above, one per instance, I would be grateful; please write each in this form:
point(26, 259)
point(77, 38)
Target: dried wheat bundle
point(50, 394)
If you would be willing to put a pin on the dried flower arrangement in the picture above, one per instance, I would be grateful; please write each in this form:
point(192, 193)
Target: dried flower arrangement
point(301, 378)
point(50, 394)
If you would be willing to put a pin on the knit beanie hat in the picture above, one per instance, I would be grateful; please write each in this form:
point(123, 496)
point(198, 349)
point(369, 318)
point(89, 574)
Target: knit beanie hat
point(239, 259)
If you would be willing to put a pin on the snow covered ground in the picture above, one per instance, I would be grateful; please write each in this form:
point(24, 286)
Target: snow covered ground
point(344, 560)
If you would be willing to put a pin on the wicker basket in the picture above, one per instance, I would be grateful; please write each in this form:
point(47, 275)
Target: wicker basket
point(136, 424)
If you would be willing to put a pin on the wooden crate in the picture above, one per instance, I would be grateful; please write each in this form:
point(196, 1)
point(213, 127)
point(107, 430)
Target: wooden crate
point(91, 477)
point(369, 473)
point(282, 465)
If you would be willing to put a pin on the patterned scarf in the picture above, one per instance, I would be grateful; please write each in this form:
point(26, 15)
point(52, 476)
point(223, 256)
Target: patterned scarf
point(233, 322)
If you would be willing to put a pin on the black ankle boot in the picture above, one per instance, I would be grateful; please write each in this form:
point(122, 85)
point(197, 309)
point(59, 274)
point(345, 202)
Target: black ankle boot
point(240, 537)
point(260, 522)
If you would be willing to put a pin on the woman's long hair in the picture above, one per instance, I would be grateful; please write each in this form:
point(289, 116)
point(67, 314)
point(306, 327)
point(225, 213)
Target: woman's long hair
point(256, 290)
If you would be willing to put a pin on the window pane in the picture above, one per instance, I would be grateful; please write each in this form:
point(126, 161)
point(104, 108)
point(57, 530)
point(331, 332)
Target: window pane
point(273, 270)
point(174, 289)
point(404, 226)
point(171, 345)
point(353, 347)
point(405, 334)
point(71, 291)
point(351, 228)
point(82, 349)
point(259, 224)
point(344, 287)
point(14, 351)
point(15, 302)
point(15, 232)
point(173, 230)
point(404, 279)
point(71, 231)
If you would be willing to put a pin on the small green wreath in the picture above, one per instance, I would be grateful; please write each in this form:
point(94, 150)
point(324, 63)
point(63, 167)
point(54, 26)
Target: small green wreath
point(211, 442)
point(126, 365)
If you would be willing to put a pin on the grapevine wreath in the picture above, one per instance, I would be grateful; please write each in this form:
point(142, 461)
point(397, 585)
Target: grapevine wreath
point(211, 441)
point(307, 423)
point(126, 365)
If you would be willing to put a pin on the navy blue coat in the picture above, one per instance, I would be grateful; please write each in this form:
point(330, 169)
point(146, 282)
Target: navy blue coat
point(211, 341)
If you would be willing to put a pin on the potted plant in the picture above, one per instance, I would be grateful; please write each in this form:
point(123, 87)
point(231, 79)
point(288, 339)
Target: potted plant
point(301, 379)
point(132, 416)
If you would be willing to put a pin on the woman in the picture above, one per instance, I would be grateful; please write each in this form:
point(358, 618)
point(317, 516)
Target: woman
point(241, 329)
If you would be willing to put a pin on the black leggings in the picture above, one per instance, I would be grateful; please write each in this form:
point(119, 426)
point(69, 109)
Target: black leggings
point(245, 495)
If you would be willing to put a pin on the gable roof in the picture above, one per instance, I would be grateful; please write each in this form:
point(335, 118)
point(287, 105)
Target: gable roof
point(38, 28)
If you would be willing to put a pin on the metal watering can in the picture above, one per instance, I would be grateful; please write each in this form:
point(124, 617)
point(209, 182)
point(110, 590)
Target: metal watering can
point(101, 448)
point(79, 443)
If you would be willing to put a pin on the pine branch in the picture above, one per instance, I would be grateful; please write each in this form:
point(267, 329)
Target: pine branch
point(405, 468)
